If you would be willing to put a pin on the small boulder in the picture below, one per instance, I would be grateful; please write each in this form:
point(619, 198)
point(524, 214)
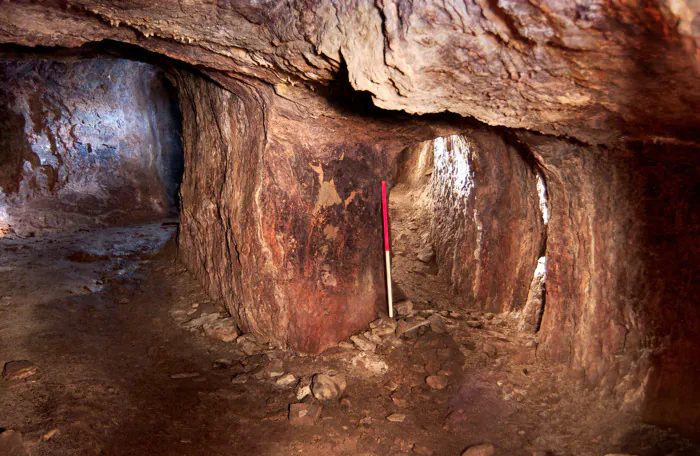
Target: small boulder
point(363, 344)
point(437, 324)
point(303, 389)
point(426, 254)
point(327, 388)
point(304, 414)
point(404, 308)
point(19, 370)
point(437, 382)
point(396, 417)
point(485, 449)
point(382, 327)
point(404, 326)
point(223, 329)
point(286, 380)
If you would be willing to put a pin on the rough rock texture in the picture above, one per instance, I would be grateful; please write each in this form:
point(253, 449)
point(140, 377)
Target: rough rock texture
point(591, 70)
point(477, 197)
point(85, 142)
point(486, 224)
point(281, 206)
point(273, 228)
point(622, 251)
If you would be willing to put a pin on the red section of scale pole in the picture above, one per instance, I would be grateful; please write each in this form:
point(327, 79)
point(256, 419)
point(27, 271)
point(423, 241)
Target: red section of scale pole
point(387, 255)
point(385, 214)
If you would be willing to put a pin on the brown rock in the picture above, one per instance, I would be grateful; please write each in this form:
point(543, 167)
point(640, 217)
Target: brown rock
point(403, 308)
point(19, 370)
point(304, 414)
point(363, 344)
point(437, 324)
point(485, 449)
point(223, 329)
point(437, 382)
point(327, 388)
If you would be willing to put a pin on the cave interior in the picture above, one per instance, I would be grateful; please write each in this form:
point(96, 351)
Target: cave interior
point(191, 228)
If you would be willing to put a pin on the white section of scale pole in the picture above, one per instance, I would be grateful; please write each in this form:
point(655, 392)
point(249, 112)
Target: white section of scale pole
point(387, 256)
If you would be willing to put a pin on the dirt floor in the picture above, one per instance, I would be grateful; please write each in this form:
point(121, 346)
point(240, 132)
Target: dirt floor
point(125, 357)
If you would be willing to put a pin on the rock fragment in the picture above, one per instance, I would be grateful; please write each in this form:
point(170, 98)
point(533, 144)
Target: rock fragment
point(437, 324)
point(437, 382)
point(19, 370)
point(363, 344)
point(286, 380)
point(396, 417)
point(383, 327)
point(327, 388)
point(223, 329)
point(184, 375)
point(485, 449)
point(303, 389)
point(408, 325)
point(404, 308)
point(304, 414)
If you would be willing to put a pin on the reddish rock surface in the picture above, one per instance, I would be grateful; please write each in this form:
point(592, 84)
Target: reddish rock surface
point(85, 142)
point(280, 202)
point(588, 70)
point(281, 207)
point(621, 254)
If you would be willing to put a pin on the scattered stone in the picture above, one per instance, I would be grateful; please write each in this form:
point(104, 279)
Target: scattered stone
point(475, 324)
point(184, 375)
point(345, 345)
point(223, 329)
point(196, 323)
point(426, 254)
point(370, 336)
point(275, 368)
point(222, 364)
point(11, 444)
point(49, 435)
point(437, 382)
point(490, 350)
point(327, 388)
point(286, 380)
point(363, 344)
point(249, 344)
point(396, 417)
point(485, 449)
point(345, 402)
point(304, 414)
point(19, 370)
point(437, 324)
point(404, 308)
point(383, 327)
point(303, 389)
point(371, 363)
point(404, 326)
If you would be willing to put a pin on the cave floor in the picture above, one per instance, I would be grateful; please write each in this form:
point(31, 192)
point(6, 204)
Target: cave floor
point(117, 368)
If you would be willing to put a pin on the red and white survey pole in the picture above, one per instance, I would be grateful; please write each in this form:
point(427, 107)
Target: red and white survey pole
point(387, 252)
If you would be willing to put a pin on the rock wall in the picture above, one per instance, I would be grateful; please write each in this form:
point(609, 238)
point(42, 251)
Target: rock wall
point(477, 197)
point(486, 227)
point(84, 143)
point(281, 206)
point(622, 249)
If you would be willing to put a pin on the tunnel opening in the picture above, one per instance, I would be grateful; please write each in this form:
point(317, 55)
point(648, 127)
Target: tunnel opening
point(452, 251)
point(88, 140)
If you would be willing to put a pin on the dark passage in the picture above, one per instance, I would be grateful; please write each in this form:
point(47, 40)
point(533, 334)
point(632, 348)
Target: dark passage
point(85, 143)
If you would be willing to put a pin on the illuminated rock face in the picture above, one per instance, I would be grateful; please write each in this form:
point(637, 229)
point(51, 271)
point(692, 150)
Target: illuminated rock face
point(85, 143)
